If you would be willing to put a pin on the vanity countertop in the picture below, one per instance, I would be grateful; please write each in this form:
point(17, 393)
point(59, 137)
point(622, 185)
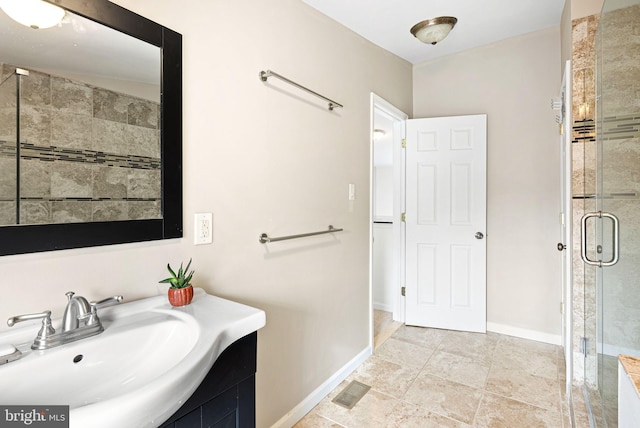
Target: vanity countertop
point(631, 365)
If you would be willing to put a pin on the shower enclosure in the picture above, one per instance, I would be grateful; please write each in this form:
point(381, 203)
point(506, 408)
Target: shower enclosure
point(611, 234)
point(9, 87)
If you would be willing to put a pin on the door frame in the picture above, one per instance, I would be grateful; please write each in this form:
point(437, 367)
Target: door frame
point(399, 131)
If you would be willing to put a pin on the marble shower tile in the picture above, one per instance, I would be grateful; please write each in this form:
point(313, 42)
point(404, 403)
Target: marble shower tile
point(142, 141)
point(446, 398)
point(35, 90)
point(35, 212)
point(500, 412)
point(71, 97)
point(109, 137)
point(109, 105)
point(7, 212)
point(110, 182)
point(143, 113)
point(70, 211)
point(70, 130)
point(109, 210)
point(35, 178)
point(143, 183)
point(35, 125)
point(71, 180)
point(7, 178)
point(139, 210)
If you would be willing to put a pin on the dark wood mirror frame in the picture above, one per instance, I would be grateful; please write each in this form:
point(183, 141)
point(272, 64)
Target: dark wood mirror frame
point(22, 239)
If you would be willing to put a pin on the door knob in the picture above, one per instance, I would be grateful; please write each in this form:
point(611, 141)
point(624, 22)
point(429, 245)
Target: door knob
point(561, 246)
point(479, 235)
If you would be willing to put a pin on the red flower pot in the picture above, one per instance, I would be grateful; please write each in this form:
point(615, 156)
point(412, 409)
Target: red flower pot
point(180, 296)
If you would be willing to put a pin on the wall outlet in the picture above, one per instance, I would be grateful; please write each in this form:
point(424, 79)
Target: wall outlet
point(203, 228)
point(352, 192)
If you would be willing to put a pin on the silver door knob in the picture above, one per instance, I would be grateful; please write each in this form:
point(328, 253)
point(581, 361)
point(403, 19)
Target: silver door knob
point(479, 235)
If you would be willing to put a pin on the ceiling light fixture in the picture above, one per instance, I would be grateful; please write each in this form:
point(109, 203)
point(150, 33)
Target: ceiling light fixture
point(33, 13)
point(433, 30)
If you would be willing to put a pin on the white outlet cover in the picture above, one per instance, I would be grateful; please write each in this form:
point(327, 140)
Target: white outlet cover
point(202, 228)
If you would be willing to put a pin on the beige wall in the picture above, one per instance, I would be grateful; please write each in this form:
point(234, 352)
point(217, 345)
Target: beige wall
point(512, 81)
point(262, 158)
point(582, 8)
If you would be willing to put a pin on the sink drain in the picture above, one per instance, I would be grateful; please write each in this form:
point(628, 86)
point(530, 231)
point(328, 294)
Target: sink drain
point(78, 358)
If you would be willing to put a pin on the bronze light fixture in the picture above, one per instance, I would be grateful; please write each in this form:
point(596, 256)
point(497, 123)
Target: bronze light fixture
point(433, 30)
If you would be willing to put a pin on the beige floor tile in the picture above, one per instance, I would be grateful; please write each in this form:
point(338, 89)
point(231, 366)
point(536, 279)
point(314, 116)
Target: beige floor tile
point(313, 420)
point(371, 411)
point(475, 346)
point(404, 353)
point(458, 369)
point(407, 415)
point(450, 399)
point(384, 376)
point(527, 359)
point(500, 412)
point(522, 386)
point(428, 337)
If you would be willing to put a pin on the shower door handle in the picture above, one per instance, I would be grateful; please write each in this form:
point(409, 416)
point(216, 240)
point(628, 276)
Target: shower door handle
point(616, 239)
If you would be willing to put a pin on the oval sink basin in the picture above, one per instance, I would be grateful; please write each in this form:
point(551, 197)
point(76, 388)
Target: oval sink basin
point(138, 372)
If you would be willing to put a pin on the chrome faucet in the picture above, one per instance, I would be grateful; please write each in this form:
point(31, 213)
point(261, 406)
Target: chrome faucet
point(76, 313)
point(80, 320)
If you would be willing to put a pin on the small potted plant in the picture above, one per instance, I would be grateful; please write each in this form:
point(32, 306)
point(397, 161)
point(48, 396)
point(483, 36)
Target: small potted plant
point(180, 292)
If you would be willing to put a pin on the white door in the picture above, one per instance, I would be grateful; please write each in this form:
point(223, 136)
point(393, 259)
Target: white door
point(446, 223)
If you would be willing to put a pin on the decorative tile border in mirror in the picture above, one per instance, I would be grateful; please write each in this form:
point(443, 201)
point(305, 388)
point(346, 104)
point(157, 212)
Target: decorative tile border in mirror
point(87, 153)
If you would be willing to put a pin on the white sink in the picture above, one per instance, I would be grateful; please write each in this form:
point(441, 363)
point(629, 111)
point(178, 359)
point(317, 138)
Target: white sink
point(138, 372)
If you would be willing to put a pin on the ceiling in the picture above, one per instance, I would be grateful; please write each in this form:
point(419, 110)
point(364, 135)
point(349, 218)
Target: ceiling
point(480, 22)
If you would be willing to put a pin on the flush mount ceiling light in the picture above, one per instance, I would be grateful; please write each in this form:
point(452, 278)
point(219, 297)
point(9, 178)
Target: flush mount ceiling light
point(433, 30)
point(33, 13)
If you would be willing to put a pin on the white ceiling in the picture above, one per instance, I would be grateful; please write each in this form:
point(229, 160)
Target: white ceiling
point(480, 22)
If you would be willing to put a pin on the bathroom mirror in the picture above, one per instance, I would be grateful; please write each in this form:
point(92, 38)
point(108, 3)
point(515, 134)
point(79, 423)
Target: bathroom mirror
point(96, 103)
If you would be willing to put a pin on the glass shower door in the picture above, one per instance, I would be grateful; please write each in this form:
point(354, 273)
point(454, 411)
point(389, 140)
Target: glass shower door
point(617, 287)
point(8, 139)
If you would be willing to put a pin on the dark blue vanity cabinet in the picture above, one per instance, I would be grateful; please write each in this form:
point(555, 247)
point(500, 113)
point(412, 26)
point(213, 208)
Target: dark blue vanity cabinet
point(226, 396)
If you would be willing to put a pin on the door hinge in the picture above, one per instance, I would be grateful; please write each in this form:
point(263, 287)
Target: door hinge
point(562, 308)
point(404, 143)
point(403, 291)
point(403, 217)
point(584, 342)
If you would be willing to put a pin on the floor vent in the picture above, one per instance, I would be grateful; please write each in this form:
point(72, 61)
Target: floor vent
point(350, 396)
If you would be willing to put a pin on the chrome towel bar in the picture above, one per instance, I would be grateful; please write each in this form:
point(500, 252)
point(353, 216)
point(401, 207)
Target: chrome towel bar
point(264, 75)
point(264, 238)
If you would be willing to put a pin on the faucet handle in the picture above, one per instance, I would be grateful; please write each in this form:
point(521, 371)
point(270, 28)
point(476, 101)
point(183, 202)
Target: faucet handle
point(46, 315)
point(109, 301)
point(45, 331)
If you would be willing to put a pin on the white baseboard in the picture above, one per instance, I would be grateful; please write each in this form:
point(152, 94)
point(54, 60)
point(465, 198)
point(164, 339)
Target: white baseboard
point(538, 336)
point(305, 406)
point(383, 307)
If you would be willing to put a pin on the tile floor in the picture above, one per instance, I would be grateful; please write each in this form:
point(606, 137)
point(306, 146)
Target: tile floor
point(423, 377)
